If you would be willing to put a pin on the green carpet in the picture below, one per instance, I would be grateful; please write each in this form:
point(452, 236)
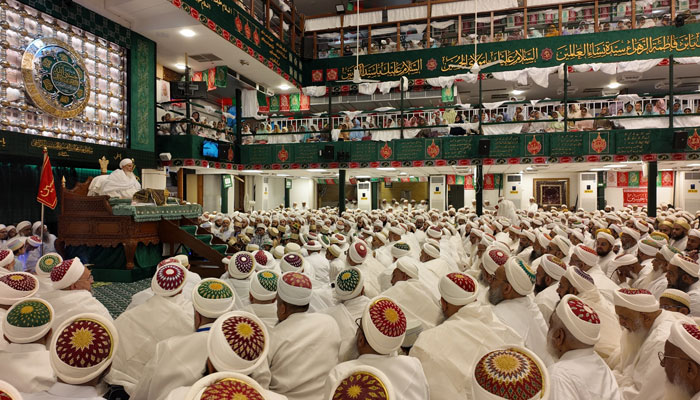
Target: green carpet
point(116, 296)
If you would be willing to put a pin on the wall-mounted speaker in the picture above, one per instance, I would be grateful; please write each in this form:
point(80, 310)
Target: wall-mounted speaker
point(680, 140)
point(484, 147)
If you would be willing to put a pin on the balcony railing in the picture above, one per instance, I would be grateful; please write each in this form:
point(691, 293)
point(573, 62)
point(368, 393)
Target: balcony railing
point(524, 21)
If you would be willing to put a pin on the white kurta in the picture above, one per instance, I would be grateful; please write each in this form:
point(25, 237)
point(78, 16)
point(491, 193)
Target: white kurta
point(177, 361)
point(140, 329)
point(610, 330)
point(320, 266)
point(603, 263)
point(449, 351)
point(694, 293)
point(303, 348)
point(405, 374)
point(266, 312)
point(119, 184)
point(27, 367)
point(606, 286)
point(524, 317)
point(643, 377)
point(582, 375)
point(417, 302)
point(61, 391)
point(547, 300)
point(67, 303)
point(345, 315)
point(680, 243)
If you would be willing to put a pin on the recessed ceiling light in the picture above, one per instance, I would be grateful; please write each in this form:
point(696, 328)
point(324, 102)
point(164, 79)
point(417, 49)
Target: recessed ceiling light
point(529, 168)
point(282, 175)
point(693, 165)
point(386, 169)
point(315, 170)
point(517, 92)
point(187, 32)
point(180, 66)
point(598, 169)
point(668, 169)
point(614, 85)
point(283, 87)
point(403, 173)
point(362, 177)
point(614, 166)
point(251, 171)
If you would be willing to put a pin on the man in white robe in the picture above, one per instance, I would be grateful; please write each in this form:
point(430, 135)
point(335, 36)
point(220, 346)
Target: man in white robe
point(680, 233)
point(546, 283)
point(647, 327)
point(510, 292)
point(192, 279)
point(682, 274)
point(181, 360)
point(24, 361)
point(72, 294)
point(240, 267)
point(681, 362)
point(580, 374)
point(470, 327)
point(263, 295)
point(416, 300)
point(379, 336)
point(122, 182)
point(585, 258)
point(169, 313)
point(349, 289)
point(304, 346)
point(317, 261)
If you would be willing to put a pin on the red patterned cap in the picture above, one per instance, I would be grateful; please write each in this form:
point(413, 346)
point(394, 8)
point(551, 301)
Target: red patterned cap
point(295, 288)
point(363, 383)
point(358, 252)
point(384, 325)
point(168, 280)
point(6, 257)
point(67, 273)
point(16, 286)
point(512, 373)
point(226, 386)
point(580, 319)
point(8, 392)
point(458, 289)
point(292, 262)
point(238, 341)
point(83, 347)
point(260, 257)
point(686, 337)
point(241, 265)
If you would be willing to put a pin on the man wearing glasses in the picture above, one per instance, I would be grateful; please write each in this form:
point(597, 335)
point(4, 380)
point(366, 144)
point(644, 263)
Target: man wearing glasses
point(681, 362)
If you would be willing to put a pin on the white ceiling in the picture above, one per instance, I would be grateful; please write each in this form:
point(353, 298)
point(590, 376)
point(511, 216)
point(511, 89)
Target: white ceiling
point(161, 22)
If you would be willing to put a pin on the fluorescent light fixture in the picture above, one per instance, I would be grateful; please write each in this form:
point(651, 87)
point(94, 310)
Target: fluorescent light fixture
point(283, 87)
point(386, 169)
point(180, 66)
point(362, 177)
point(520, 173)
point(315, 170)
point(517, 92)
point(614, 85)
point(187, 32)
point(411, 176)
point(598, 169)
point(693, 165)
point(305, 177)
point(667, 169)
point(251, 171)
point(631, 162)
point(614, 166)
point(529, 169)
point(282, 175)
point(403, 173)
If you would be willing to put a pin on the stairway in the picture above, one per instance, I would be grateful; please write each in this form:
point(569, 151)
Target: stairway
point(199, 241)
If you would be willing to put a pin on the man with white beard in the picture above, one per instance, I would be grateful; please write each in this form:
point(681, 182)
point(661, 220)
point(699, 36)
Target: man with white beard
point(655, 281)
point(469, 326)
point(122, 182)
point(580, 373)
point(681, 362)
point(510, 292)
point(646, 328)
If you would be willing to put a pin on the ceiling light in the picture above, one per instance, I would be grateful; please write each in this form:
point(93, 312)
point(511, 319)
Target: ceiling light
point(315, 170)
point(598, 169)
point(283, 87)
point(339, 8)
point(362, 177)
point(693, 165)
point(251, 171)
point(614, 85)
point(282, 175)
point(631, 162)
point(187, 32)
point(614, 166)
point(517, 92)
point(180, 66)
point(667, 169)
point(520, 173)
point(529, 169)
point(386, 169)
point(403, 173)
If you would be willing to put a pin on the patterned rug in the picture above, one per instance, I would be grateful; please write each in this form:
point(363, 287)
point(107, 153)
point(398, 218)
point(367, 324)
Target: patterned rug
point(116, 296)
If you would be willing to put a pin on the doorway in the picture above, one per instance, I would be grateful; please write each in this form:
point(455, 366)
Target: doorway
point(455, 196)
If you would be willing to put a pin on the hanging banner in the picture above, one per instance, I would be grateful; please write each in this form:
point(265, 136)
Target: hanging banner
point(633, 178)
point(451, 180)
point(294, 102)
point(263, 103)
point(274, 104)
point(220, 77)
point(448, 94)
point(622, 179)
point(304, 102)
point(211, 79)
point(489, 182)
point(284, 103)
point(469, 182)
point(460, 180)
point(611, 179)
point(634, 197)
point(664, 179)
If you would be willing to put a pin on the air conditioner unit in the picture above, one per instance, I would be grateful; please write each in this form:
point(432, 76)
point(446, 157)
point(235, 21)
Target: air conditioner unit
point(364, 196)
point(629, 77)
point(269, 92)
point(513, 190)
point(588, 191)
point(572, 90)
point(691, 191)
point(437, 192)
point(610, 92)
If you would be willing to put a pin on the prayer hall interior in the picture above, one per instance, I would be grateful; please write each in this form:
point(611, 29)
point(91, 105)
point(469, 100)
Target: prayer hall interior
point(349, 200)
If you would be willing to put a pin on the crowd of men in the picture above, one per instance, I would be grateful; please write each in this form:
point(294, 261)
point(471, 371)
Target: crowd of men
point(401, 303)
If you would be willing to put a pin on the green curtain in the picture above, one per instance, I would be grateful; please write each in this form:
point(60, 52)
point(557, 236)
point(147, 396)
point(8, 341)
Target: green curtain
point(19, 185)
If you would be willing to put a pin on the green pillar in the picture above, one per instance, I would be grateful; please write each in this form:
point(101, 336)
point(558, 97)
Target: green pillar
point(601, 190)
point(479, 187)
point(287, 188)
point(224, 194)
point(341, 191)
point(375, 195)
point(653, 170)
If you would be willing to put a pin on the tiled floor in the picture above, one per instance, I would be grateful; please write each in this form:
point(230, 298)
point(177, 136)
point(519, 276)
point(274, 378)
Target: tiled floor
point(116, 296)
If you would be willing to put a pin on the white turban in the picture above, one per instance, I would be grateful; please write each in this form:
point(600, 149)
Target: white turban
point(67, 273)
point(263, 285)
point(493, 258)
point(562, 243)
point(579, 279)
point(400, 249)
point(586, 254)
point(631, 232)
point(349, 284)
point(230, 350)
point(520, 276)
point(28, 320)
point(636, 299)
point(649, 247)
point(604, 235)
point(494, 375)
point(384, 325)
point(168, 280)
point(358, 251)
point(295, 288)
point(409, 266)
point(124, 162)
point(553, 266)
point(580, 319)
point(458, 289)
point(431, 250)
point(213, 297)
point(685, 337)
point(623, 260)
point(240, 265)
point(686, 263)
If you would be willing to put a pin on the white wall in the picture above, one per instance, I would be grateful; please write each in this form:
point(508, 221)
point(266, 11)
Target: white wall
point(303, 190)
point(212, 193)
point(613, 196)
point(275, 196)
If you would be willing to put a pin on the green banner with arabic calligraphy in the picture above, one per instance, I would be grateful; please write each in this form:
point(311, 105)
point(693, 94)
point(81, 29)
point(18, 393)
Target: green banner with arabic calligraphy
point(606, 47)
point(143, 93)
point(232, 23)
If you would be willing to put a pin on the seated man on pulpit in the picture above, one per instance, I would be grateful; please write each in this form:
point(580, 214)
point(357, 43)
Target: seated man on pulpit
point(122, 182)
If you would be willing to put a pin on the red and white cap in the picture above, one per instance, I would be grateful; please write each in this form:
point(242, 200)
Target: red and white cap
point(168, 280)
point(67, 273)
point(580, 319)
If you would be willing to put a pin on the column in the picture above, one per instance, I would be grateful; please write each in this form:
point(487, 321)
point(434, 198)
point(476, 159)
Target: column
point(653, 170)
point(479, 188)
point(341, 191)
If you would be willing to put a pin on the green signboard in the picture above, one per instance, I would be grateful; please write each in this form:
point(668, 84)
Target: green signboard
point(227, 181)
point(228, 20)
point(624, 45)
point(142, 70)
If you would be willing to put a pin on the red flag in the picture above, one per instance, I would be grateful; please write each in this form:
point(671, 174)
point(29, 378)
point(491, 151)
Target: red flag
point(47, 188)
